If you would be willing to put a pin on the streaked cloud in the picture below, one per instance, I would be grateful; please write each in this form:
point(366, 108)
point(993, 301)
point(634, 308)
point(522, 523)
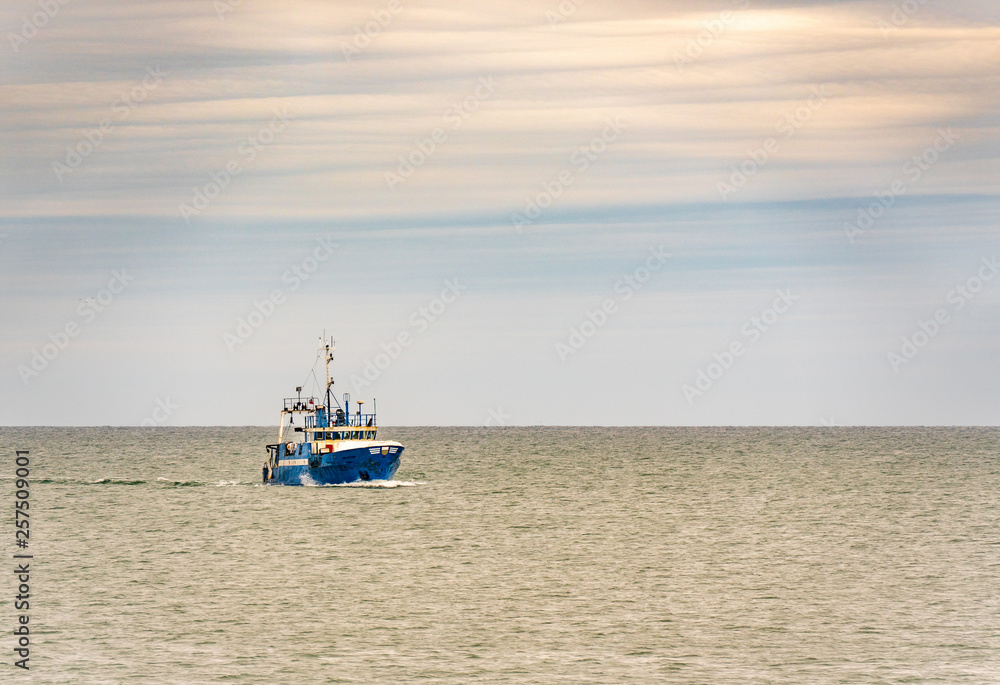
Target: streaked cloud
point(887, 95)
point(556, 85)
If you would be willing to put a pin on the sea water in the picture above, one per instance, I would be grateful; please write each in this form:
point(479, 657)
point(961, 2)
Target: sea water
point(513, 555)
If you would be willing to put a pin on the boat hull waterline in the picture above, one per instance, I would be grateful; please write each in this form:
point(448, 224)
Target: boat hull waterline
point(364, 463)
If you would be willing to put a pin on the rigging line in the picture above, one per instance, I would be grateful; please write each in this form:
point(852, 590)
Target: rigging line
point(306, 379)
point(315, 388)
point(315, 384)
point(312, 372)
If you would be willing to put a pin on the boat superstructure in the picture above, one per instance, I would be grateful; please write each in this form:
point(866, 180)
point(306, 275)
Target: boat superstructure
point(330, 445)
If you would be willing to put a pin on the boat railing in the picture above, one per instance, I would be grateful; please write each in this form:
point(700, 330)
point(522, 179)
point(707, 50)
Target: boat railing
point(303, 403)
point(362, 420)
point(341, 420)
point(337, 417)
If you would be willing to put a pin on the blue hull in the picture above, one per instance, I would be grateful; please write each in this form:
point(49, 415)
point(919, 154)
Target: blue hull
point(335, 468)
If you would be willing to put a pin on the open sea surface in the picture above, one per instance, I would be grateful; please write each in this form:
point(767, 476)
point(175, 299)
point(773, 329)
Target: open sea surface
point(513, 555)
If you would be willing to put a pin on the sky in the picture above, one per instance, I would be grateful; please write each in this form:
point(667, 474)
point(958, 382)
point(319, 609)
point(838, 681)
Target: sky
point(551, 213)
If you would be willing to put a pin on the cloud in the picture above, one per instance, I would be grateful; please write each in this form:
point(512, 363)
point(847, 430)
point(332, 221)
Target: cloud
point(353, 119)
point(701, 88)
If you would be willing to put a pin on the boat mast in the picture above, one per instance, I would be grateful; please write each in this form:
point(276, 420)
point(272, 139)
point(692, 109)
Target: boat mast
point(329, 358)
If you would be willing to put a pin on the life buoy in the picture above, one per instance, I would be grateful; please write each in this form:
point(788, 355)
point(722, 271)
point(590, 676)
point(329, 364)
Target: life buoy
point(289, 448)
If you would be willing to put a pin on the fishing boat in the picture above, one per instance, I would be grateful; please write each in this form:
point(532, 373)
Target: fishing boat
point(329, 445)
